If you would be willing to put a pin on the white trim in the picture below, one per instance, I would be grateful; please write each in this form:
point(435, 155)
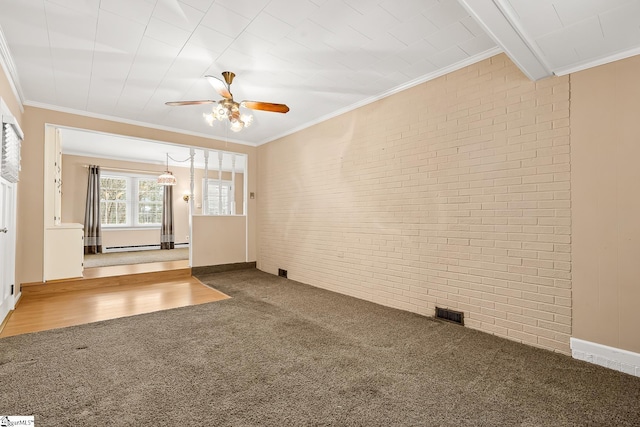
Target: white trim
point(438, 73)
point(150, 247)
point(492, 16)
point(68, 152)
point(12, 162)
point(596, 62)
point(130, 122)
point(603, 355)
point(9, 68)
point(136, 138)
point(217, 216)
point(131, 228)
point(10, 119)
point(132, 202)
point(112, 249)
point(4, 108)
point(211, 183)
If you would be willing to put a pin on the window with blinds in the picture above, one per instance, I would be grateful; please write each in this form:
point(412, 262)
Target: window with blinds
point(11, 139)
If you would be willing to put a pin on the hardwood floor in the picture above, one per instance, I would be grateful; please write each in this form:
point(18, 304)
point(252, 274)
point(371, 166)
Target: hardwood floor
point(107, 293)
point(119, 270)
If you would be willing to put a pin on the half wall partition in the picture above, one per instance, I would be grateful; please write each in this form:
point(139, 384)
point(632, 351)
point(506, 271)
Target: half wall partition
point(219, 233)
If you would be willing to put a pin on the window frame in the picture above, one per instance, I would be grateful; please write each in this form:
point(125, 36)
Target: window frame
point(132, 201)
point(216, 181)
point(136, 206)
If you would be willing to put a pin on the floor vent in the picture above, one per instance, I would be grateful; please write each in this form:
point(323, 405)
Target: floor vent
point(450, 315)
point(282, 273)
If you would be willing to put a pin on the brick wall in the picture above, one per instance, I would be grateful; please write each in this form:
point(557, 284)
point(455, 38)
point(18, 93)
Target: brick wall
point(453, 193)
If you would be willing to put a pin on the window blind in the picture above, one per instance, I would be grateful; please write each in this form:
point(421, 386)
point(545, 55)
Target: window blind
point(11, 139)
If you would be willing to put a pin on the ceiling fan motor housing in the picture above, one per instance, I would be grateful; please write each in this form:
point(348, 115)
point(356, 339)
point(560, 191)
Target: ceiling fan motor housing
point(228, 77)
point(231, 107)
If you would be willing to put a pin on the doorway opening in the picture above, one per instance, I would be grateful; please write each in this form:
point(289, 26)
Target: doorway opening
point(210, 182)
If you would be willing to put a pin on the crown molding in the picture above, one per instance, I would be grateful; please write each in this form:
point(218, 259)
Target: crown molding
point(131, 122)
point(9, 68)
point(434, 75)
point(597, 62)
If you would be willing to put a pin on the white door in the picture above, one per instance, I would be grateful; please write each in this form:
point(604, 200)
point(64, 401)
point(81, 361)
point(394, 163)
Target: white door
point(7, 247)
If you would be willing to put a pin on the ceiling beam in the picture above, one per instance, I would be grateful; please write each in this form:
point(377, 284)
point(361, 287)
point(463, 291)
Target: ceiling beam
point(497, 21)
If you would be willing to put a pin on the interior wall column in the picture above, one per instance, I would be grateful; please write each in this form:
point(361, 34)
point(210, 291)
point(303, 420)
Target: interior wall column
point(220, 182)
point(192, 154)
point(205, 185)
point(232, 196)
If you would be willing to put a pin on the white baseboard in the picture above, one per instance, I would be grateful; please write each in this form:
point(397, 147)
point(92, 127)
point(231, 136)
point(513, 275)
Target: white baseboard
point(129, 248)
point(609, 357)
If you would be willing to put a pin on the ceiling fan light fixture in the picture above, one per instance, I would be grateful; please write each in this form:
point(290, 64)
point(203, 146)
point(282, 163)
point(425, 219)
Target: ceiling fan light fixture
point(247, 119)
point(221, 112)
point(229, 109)
point(237, 125)
point(210, 118)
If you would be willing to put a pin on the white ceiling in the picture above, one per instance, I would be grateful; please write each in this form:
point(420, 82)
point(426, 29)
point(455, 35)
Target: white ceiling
point(124, 59)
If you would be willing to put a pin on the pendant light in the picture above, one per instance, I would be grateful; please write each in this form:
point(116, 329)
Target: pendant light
point(167, 177)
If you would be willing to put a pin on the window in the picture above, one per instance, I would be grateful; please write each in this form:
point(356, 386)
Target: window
point(10, 153)
point(150, 195)
point(130, 201)
point(220, 197)
point(114, 200)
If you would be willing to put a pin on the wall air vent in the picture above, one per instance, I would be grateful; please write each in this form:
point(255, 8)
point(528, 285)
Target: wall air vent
point(282, 273)
point(450, 315)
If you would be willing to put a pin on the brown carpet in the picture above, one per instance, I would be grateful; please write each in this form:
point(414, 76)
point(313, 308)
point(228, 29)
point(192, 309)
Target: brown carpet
point(280, 353)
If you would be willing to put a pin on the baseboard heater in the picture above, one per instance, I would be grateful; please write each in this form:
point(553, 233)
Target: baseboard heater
point(132, 248)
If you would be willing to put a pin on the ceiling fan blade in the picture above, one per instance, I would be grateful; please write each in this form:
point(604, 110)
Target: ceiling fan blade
point(220, 86)
point(265, 106)
point(178, 103)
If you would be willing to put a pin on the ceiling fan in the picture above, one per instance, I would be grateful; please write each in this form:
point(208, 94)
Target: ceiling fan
point(229, 109)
